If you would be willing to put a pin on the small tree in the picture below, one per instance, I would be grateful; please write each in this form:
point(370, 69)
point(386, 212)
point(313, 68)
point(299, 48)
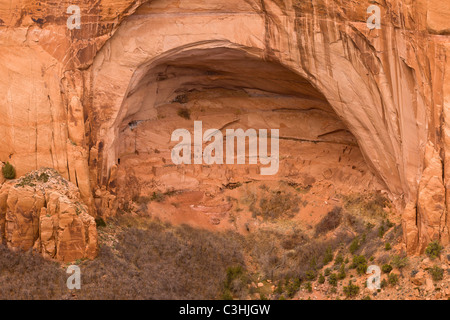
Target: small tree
point(354, 245)
point(399, 262)
point(351, 290)
point(393, 279)
point(328, 257)
point(360, 264)
point(341, 275)
point(321, 279)
point(434, 250)
point(437, 273)
point(8, 171)
point(386, 268)
point(333, 279)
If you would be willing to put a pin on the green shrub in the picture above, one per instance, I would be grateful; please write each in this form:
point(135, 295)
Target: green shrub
point(279, 288)
point(327, 272)
point(235, 281)
point(381, 231)
point(387, 246)
point(434, 250)
point(399, 262)
point(389, 224)
point(351, 290)
point(360, 264)
point(308, 287)
point(354, 245)
point(8, 171)
point(233, 273)
point(321, 279)
point(364, 238)
point(333, 279)
point(341, 275)
point(292, 287)
point(393, 279)
point(313, 264)
point(339, 260)
point(310, 275)
point(386, 268)
point(226, 295)
point(43, 177)
point(100, 222)
point(328, 257)
point(436, 273)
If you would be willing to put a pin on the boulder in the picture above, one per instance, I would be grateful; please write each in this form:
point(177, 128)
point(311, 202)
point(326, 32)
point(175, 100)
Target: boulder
point(45, 212)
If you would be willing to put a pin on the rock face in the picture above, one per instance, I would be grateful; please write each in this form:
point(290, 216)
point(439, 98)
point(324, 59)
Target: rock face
point(71, 95)
point(43, 211)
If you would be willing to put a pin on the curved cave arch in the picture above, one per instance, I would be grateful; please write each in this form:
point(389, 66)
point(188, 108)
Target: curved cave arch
point(183, 71)
point(229, 88)
point(351, 86)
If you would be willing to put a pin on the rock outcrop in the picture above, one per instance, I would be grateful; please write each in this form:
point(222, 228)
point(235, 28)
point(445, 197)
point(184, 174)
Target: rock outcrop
point(70, 94)
point(44, 212)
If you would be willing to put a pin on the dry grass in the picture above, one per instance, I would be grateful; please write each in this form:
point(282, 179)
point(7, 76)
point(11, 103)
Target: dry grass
point(157, 261)
point(141, 258)
point(272, 205)
point(369, 205)
point(330, 222)
point(27, 276)
point(162, 262)
point(290, 255)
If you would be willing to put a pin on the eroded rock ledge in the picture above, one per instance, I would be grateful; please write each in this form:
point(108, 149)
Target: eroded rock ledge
point(43, 211)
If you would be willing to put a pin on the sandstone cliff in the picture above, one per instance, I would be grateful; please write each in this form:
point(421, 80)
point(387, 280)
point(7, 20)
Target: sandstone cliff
point(70, 94)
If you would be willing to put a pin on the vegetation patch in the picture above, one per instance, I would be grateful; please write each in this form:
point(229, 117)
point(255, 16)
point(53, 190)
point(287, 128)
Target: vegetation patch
point(360, 264)
point(434, 250)
point(8, 171)
point(351, 290)
point(371, 205)
point(184, 113)
point(235, 283)
point(386, 268)
point(437, 273)
point(330, 222)
point(275, 204)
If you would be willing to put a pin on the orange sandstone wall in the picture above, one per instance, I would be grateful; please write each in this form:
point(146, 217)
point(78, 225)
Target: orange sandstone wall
point(63, 90)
